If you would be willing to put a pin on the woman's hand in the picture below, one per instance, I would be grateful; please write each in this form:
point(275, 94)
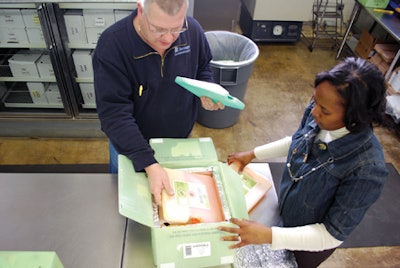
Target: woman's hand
point(248, 232)
point(241, 159)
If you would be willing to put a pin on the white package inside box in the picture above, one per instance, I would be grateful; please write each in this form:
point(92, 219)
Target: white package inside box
point(37, 91)
point(45, 67)
point(187, 245)
point(23, 63)
point(35, 36)
point(31, 18)
point(83, 62)
point(120, 14)
point(13, 36)
point(87, 90)
point(98, 18)
point(75, 26)
point(53, 94)
point(11, 18)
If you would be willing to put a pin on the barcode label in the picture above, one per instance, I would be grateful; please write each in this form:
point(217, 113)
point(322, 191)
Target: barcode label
point(195, 250)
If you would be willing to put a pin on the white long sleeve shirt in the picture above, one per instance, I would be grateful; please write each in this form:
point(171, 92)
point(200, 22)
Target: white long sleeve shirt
point(312, 237)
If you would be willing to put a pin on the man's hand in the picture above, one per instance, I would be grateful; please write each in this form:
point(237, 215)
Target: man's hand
point(158, 180)
point(208, 104)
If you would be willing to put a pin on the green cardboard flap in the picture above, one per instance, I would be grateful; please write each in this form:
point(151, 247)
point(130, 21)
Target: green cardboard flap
point(25, 259)
point(233, 192)
point(171, 152)
point(134, 194)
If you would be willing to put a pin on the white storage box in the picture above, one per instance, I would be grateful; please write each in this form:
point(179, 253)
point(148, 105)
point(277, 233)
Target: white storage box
point(23, 63)
point(87, 90)
point(35, 36)
point(75, 26)
point(93, 34)
point(98, 18)
point(31, 18)
point(13, 36)
point(83, 62)
point(37, 92)
point(120, 14)
point(53, 94)
point(11, 18)
point(45, 67)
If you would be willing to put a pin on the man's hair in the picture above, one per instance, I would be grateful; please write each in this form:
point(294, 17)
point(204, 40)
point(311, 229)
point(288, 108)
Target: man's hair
point(363, 89)
point(171, 7)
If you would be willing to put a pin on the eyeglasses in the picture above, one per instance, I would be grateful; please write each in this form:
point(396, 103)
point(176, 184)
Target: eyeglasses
point(161, 31)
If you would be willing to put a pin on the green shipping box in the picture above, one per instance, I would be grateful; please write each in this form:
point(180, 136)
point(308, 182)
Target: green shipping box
point(374, 3)
point(29, 259)
point(191, 245)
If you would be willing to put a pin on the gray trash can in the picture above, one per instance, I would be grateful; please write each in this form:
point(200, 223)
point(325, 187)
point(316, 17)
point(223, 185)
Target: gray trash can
point(233, 59)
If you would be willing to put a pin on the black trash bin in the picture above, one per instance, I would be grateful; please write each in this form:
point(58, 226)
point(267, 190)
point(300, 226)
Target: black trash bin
point(232, 64)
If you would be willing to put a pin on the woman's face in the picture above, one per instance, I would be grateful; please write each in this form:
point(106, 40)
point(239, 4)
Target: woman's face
point(329, 109)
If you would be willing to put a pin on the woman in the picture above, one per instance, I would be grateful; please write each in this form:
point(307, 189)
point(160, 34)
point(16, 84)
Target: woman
point(335, 167)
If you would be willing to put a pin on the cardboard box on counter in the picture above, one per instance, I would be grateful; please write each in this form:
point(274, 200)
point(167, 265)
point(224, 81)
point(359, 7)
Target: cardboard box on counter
point(187, 245)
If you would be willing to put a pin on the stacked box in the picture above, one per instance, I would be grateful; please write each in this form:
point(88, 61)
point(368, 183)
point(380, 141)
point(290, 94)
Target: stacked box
point(12, 27)
point(23, 63)
point(75, 26)
point(44, 66)
point(33, 27)
point(37, 91)
point(87, 90)
point(53, 94)
point(83, 63)
point(96, 21)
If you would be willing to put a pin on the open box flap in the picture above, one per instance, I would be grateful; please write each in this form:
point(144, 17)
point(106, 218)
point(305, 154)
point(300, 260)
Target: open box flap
point(134, 196)
point(171, 152)
point(233, 192)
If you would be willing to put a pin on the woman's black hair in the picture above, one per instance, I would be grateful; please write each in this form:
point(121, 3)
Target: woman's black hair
point(363, 89)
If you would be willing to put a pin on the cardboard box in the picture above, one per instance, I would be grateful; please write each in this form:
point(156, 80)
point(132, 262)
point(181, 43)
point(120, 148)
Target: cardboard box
point(374, 3)
point(87, 90)
point(191, 245)
point(75, 26)
point(387, 51)
point(365, 45)
point(31, 18)
point(45, 67)
point(378, 61)
point(23, 63)
point(11, 18)
point(53, 94)
point(23, 259)
point(83, 62)
point(37, 91)
point(13, 36)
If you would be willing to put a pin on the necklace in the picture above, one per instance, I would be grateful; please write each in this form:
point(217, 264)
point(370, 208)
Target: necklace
point(288, 165)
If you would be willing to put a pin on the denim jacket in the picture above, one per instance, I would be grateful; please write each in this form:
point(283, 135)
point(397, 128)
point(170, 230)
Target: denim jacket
point(332, 183)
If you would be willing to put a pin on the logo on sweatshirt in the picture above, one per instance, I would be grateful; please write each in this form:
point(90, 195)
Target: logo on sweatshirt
point(182, 50)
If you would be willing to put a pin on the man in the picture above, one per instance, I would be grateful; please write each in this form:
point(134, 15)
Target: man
point(135, 64)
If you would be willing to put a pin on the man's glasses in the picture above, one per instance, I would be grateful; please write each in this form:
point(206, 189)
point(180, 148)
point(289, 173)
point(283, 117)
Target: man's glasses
point(161, 31)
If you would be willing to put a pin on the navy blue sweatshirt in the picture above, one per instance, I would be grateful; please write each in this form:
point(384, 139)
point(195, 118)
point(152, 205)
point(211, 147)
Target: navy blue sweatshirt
point(129, 115)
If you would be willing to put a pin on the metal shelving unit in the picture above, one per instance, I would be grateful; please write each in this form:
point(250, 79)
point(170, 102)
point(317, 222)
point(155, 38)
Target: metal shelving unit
point(327, 23)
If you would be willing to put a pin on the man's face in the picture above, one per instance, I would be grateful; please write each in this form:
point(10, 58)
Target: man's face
point(159, 29)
